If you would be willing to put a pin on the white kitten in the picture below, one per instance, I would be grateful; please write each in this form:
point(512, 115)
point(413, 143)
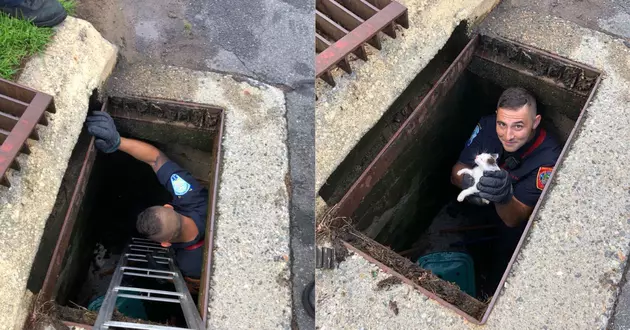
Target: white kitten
point(485, 162)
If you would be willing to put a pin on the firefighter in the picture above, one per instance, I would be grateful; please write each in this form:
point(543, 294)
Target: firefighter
point(180, 224)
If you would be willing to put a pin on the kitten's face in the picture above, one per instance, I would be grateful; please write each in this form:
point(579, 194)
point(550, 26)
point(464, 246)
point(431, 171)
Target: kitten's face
point(486, 160)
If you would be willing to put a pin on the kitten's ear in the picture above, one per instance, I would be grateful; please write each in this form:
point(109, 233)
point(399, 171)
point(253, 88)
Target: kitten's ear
point(495, 156)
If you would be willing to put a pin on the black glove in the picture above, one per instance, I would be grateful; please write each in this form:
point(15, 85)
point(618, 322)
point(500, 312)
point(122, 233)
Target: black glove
point(101, 125)
point(495, 186)
point(467, 182)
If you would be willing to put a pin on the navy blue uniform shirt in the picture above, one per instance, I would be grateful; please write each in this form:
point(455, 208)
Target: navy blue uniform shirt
point(537, 158)
point(189, 199)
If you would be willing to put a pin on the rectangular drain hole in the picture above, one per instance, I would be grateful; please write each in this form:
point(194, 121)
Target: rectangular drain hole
point(21, 109)
point(101, 195)
point(344, 26)
point(392, 199)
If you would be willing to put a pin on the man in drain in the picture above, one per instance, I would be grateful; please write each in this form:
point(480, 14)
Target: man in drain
point(527, 154)
point(180, 224)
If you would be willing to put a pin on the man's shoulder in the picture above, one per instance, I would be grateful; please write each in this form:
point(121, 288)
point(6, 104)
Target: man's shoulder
point(550, 149)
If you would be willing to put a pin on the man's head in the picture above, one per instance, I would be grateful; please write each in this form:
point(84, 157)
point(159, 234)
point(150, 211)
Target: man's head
point(160, 223)
point(517, 118)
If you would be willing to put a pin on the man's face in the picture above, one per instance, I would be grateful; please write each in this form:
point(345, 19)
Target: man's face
point(515, 127)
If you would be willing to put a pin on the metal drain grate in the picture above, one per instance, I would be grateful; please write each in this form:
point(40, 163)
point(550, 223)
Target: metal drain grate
point(344, 26)
point(21, 108)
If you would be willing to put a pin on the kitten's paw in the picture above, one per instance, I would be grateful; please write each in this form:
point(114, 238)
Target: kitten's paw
point(461, 197)
point(485, 201)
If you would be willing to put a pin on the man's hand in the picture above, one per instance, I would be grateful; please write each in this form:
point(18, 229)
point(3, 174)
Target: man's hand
point(467, 182)
point(102, 127)
point(495, 186)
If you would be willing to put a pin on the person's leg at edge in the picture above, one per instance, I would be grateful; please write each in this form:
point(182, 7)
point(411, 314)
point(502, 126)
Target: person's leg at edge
point(43, 13)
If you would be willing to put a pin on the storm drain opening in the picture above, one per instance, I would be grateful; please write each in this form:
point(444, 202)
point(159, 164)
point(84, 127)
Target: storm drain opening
point(98, 203)
point(343, 27)
point(387, 192)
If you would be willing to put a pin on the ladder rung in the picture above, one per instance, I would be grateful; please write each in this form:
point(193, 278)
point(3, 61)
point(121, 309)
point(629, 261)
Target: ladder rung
point(149, 291)
point(148, 270)
point(148, 247)
point(147, 275)
point(143, 256)
point(146, 250)
point(135, 296)
point(143, 240)
point(145, 260)
point(127, 325)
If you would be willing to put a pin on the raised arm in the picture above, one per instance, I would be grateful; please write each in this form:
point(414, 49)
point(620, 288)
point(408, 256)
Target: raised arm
point(102, 127)
point(143, 152)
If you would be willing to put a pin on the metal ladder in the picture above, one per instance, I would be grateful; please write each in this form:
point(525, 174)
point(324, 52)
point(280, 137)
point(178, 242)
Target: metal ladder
point(137, 251)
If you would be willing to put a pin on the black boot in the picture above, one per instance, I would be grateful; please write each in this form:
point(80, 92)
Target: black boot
point(43, 13)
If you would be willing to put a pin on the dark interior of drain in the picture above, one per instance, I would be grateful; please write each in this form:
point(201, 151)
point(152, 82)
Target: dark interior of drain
point(118, 189)
point(401, 206)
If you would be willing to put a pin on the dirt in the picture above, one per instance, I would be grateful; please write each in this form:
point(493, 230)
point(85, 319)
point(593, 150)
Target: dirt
point(84, 316)
point(108, 18)
point(426, 279)
point(387, 283)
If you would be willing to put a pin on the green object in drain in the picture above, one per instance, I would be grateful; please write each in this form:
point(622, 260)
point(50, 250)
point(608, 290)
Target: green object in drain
point(129, 307)
point(457, 267)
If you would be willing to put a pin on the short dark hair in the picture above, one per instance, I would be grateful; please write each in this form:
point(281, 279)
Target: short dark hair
point(150, 224)
point(515, 97)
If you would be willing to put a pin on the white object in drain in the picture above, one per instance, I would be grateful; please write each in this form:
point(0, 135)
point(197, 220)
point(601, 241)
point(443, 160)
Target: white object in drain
point(99, 256)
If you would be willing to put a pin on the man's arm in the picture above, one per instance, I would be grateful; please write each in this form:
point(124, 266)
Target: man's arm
point(143, 152)
point(513, 212)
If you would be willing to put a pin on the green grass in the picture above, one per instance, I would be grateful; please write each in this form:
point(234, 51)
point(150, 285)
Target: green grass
point(69, 5)
point(20, 39)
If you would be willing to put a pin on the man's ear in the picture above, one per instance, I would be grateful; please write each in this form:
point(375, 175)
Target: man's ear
point(165, 244)
point(168, 206)
point(537, 121)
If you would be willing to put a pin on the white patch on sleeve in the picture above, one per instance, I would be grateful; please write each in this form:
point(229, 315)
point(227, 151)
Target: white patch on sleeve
point(473, 135)
point(180, 186)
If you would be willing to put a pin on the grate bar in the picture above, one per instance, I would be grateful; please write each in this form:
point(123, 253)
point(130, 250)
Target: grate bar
point(21, 109)
point(362, 8)
point(351, 24)
point(16, 91)
point(329, 27)
point(346, 18)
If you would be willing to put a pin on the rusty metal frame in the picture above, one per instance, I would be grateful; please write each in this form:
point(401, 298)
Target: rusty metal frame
point(543, 195)
point(379, 166)
point(361, 21)
point(404, 136)
point(21, 109)
point(54, 268)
